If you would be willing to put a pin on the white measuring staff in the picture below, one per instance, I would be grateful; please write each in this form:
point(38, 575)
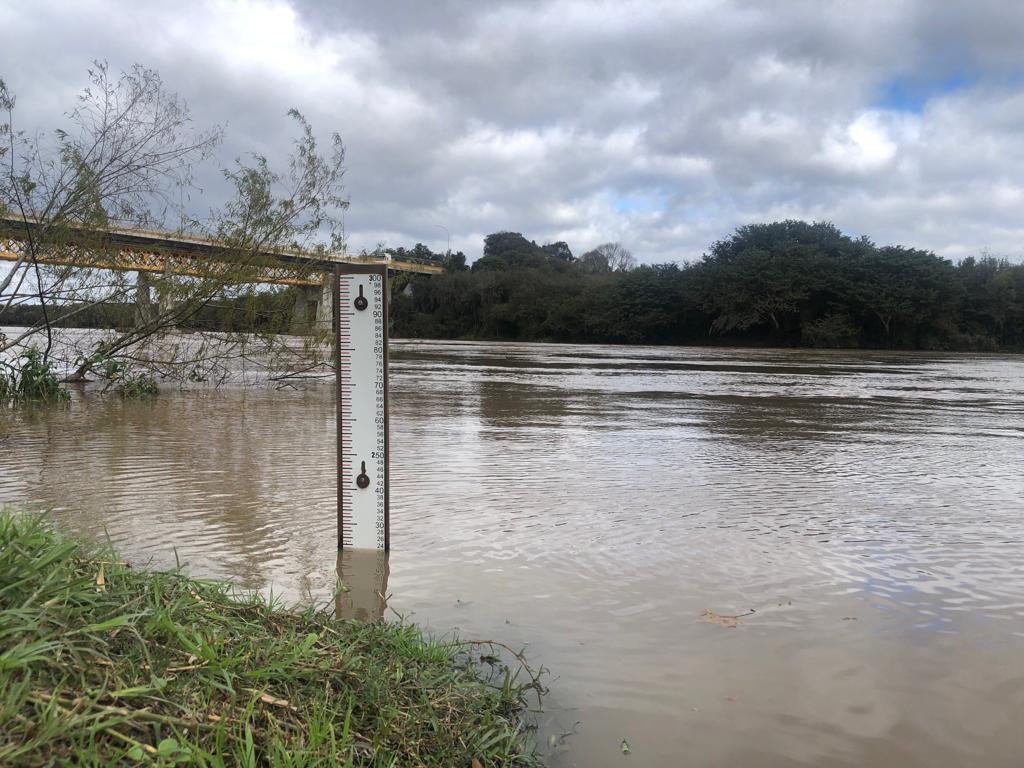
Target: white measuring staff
point(361, 369)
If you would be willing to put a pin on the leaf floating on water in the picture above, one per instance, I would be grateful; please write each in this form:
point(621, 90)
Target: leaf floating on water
point(625, 747)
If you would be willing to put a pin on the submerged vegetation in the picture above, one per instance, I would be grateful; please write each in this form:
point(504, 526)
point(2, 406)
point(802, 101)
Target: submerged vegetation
point(103, 664)
point(128, 382)
point(137, 386)
point(30, 379)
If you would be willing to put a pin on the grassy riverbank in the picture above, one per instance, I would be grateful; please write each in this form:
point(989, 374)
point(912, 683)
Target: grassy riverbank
point(102, 664)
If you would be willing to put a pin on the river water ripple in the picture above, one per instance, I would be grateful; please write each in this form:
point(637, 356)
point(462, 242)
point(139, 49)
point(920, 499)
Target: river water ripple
point(592, 502)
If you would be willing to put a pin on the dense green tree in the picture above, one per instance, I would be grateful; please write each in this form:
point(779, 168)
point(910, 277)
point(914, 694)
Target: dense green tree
point(595, 263)
point(788, 283)
point(455, 262)
point(559, 250)
point(514, 249)
point(908, 295)
point(766, 278)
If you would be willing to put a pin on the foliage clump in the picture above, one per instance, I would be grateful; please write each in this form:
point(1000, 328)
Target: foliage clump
point(106, 665)
point(138, 386)
point(31, 379)
point(130, 383)
point(834, 331)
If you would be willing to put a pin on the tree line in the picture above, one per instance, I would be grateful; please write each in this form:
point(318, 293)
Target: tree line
point(787, 283)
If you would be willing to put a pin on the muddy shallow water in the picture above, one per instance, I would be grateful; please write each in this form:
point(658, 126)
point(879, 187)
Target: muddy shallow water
point(592, 502)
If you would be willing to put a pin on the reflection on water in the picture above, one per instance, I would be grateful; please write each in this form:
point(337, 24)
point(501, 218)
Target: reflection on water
point(362, 584)
point(590, 503)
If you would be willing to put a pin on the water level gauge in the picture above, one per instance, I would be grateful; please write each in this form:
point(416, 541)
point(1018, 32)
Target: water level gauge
point(361, 365)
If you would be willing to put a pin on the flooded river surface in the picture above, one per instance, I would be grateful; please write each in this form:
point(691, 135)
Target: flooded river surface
point(865, 509)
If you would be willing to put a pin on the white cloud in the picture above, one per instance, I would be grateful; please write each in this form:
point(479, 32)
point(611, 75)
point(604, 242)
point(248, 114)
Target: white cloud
point(554, 117)
point(863, 146)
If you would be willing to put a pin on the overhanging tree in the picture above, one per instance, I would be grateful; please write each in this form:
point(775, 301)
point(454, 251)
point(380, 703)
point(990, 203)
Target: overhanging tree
point(127, 158)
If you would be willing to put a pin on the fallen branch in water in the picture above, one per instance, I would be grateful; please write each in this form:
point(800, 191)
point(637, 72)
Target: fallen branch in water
point(535, 683)
point(723, 620)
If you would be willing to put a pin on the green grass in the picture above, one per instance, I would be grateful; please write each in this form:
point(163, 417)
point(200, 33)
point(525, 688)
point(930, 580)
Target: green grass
point(103, 665)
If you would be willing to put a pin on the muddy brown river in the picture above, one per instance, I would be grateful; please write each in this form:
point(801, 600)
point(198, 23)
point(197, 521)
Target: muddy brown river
point(865, 511)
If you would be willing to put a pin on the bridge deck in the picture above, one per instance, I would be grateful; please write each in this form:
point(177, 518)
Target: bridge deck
point(135, 250)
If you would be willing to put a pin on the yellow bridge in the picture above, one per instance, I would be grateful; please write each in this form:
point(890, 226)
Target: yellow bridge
point(135, 250)
point(144, 252)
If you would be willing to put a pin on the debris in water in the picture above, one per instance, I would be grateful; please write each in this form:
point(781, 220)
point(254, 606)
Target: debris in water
point(625, 747)
point(723, 620)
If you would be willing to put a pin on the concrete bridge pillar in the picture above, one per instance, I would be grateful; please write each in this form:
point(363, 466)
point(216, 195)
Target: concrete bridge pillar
point(321, 299)
point(165, 300)
point(300, 312)
point(324, 322)
point(145, 312)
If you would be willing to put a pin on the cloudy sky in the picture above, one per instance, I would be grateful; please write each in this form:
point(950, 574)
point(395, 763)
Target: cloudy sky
point(660, 124)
